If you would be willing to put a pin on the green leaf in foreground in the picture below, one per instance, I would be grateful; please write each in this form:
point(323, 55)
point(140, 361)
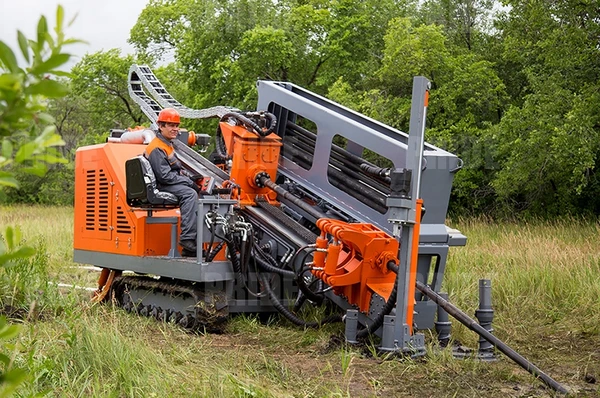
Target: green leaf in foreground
point(8, 59)
point(48, 88)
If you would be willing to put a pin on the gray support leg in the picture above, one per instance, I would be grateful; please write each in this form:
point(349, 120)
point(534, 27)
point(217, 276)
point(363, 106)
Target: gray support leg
point(443, 326)
point(485, 316)
point(351, 326)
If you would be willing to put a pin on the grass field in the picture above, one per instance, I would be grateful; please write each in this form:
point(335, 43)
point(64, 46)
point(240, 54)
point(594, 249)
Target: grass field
point(546, 294)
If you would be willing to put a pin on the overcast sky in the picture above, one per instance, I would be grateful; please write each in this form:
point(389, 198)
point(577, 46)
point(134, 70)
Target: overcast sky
point(103, 24)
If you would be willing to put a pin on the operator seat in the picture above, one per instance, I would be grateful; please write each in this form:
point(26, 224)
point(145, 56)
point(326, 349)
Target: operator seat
point(142, 190)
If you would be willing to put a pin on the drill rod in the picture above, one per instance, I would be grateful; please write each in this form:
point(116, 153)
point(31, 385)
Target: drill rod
point(496, 342)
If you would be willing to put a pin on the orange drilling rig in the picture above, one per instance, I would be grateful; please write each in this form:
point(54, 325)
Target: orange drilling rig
point(302, 202)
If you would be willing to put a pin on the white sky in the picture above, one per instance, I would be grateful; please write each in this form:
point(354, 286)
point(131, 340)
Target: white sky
point(103, 24)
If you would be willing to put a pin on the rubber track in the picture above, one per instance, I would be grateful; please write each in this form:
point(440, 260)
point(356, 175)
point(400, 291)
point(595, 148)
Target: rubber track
point(210, 310)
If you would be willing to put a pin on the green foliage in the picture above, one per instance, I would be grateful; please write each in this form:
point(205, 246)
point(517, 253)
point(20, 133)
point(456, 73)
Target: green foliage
point(55, 187)
point(10, 376)
point(28, 138)
point(513, 88)
point(12, 253)
point(28, 143)
point(24, 278)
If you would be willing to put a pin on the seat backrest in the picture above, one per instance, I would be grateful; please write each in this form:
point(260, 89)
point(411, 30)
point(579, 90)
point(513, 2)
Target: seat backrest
point(141, 185)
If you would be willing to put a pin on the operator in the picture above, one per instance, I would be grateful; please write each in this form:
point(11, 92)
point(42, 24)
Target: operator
point(172, 177)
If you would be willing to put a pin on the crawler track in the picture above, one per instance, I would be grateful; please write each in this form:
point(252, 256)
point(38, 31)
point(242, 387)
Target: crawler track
point(191, 306)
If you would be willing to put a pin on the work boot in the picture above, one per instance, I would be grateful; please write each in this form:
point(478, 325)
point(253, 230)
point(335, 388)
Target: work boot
point(188, 253)
point(189, 247)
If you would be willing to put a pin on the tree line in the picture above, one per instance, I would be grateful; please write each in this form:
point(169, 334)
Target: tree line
point(515, 85)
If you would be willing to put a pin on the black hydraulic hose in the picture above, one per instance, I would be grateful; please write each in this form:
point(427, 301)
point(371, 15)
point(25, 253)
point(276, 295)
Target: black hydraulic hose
point(299, 303)
point(245, 119)
point(235, 262)
point(267, 256)
point(496, 342)
point(269, 268)
point(213, 252)
point(272, 122)
point(290, 316)
point(220, 143)
point(266, 181)
point(304, 288)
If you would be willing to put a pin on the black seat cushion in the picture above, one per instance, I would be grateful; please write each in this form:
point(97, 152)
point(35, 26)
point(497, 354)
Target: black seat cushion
point(142, 190)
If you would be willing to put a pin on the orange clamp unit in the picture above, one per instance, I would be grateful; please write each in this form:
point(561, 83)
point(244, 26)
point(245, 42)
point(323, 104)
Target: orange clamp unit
point(355, 266)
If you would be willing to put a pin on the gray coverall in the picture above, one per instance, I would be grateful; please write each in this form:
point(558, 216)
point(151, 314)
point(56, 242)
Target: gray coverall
point(171, 177)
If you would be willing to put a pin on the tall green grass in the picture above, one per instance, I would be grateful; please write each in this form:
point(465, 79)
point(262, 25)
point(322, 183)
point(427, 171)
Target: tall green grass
point(545, 278)
point(544, 275)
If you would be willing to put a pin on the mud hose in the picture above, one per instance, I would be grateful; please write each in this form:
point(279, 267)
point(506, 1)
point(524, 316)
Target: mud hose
point(389, 306)
point(496, 342)
point(289, 315)
point(265, 180)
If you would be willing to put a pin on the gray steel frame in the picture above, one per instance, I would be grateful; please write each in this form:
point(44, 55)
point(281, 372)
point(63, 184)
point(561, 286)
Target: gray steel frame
point(333, 119)
point(179, 267)
point(434, 184)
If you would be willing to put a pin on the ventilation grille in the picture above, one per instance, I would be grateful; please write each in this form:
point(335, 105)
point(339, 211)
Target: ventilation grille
point(96, 201)
point(123, 226)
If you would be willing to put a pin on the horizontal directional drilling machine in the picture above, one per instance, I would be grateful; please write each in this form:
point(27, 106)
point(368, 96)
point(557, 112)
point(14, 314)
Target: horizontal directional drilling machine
point(303, 202)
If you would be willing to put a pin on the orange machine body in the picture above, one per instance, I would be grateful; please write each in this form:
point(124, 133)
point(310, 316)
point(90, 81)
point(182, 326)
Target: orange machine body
point(103, 220)
point(251, 155)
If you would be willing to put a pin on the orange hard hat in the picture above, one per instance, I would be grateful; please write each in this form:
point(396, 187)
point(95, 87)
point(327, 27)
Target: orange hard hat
point(169, 115)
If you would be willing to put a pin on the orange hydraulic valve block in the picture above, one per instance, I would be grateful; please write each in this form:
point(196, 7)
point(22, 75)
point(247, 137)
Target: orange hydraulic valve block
point(355, 264)
point(251, 155)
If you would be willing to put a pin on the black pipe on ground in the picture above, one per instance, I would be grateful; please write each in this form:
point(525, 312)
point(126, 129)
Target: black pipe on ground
point(496, 342)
